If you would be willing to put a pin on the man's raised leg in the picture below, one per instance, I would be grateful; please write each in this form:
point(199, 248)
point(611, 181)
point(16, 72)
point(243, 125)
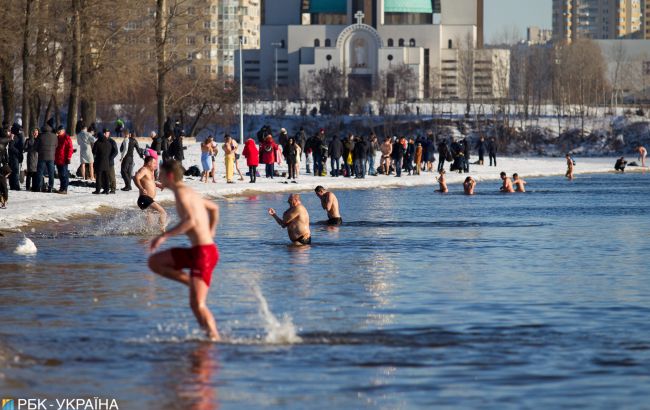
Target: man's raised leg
point(163, 264)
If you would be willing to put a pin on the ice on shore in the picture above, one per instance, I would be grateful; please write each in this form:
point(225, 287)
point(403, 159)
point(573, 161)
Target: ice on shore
point(26, 247)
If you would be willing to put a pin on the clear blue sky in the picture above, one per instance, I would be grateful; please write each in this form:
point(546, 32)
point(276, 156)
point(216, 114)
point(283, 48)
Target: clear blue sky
point(515, 15)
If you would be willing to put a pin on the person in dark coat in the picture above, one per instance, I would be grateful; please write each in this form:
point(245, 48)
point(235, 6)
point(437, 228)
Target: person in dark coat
point(492, 151)
point(128, 147)
point(301, 139)
point(480, 146)
point(443, 154)
point(348, 156)
point(111, 171)
point(165, 142)
point(466, 155)
point(409, 156)
point(15, 151)
point(168, 127)
point(102, 151)
point(429, 148)
point(46, 147)
point(4, 169)
point(360, 156)
point(336, 152)
point(176, 149)
point(31, 149)
point(398, 157)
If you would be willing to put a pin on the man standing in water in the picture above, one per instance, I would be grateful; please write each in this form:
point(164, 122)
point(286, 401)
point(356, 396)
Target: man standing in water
point(145, 181)
point(295, 220)
point(643, 153)
point(198, 220)
point(330, 203)
point(520, 184)
point(569, 167)
point(469, 185)
point(507, 184)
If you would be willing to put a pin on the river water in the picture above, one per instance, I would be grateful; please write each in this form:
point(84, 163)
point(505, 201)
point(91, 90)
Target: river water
point(421, 300)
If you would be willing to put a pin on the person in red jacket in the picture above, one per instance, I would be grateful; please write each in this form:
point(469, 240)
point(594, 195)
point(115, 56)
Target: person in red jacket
point(268, 153)
point(62, 157)
point(252, 158)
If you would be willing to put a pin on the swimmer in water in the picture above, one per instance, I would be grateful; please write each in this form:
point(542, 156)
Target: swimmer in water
point(442, 181)
point(330, 204)
point(507, 184)
point(146, 183)
point(469, 185)
point(295, 220)
point(520, 184)
point(198, 220)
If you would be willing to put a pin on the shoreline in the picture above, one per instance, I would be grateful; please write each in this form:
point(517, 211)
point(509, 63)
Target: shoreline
point(26, 210)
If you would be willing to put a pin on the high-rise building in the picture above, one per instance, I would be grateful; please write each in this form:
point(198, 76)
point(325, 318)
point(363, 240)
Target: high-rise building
point(366, 40)
point(205, 34)
point(597, 19)
point(645, 19)
point(536, 35)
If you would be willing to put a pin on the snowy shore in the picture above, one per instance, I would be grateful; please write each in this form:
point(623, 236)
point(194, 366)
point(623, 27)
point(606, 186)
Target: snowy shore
point(26, 207)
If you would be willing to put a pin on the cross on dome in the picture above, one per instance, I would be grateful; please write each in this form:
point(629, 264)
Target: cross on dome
point(359, 16)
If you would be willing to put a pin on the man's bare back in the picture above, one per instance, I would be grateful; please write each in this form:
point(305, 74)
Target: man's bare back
point(507, 184)
point(520, 185)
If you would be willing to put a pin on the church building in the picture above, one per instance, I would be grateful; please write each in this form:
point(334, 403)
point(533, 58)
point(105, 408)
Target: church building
point(440, 43)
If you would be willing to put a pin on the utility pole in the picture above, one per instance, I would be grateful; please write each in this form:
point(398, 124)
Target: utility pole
point(275, 90)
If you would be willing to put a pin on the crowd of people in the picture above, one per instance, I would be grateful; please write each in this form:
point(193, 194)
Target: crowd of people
point(48, 151)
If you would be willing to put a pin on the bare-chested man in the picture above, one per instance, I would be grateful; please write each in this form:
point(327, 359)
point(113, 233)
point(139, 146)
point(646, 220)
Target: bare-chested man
point(330, 203)
point(520, 184)
point(145, 181)
point(469, 185)
point(442, 181)
point(569, 167)
point(295, 220)
point(198, 220)
point(643, 153)
point(507, 184)
point(386, 149)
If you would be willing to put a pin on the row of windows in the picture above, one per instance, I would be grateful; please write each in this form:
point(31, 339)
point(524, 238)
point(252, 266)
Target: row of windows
point(400, 43)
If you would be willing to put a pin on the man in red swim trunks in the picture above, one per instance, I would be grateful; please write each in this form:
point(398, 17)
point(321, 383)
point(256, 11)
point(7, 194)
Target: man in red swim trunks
point(198, 220)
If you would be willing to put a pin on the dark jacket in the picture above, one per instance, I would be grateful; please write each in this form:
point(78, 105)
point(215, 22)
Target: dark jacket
point(492, 147)
point(336, 148)
point(128, 148)
point(348, 147)
point(102, 151)
point(156, 145)
point(46, 144)
point(4, 141)
point(15, 149)
point(443, 150)
point(114, 152)
point(32, 154)
point(398, 151)
point(175, 150)
point(360, 150)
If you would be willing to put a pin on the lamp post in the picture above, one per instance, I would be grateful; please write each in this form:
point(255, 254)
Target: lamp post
point(275, 90)
point(241, 92)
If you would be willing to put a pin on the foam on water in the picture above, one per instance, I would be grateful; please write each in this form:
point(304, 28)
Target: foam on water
point(26, 247)
point(277, 331)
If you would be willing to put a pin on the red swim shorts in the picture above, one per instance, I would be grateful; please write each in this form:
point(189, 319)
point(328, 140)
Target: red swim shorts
point(200, 260)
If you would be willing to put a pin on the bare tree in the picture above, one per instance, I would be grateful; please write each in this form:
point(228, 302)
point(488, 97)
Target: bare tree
point(466, 70)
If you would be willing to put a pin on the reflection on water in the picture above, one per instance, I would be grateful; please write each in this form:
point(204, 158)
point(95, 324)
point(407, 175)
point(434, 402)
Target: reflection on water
point(417, 301)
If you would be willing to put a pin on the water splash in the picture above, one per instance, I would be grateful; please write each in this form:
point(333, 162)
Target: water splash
point(26, 247)
point(277, 331)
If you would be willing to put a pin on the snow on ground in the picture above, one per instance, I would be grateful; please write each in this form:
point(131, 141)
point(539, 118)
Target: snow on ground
point(27, 207)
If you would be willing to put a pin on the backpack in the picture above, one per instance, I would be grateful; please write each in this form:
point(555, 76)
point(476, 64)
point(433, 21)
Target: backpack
point(193, 171)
